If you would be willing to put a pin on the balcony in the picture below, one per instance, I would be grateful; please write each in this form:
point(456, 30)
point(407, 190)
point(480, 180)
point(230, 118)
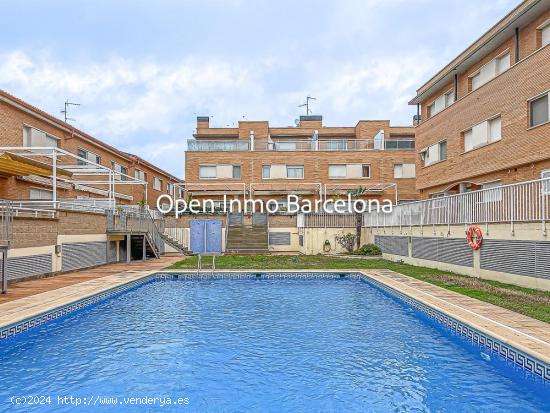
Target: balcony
point(217, 146)
point(302, 145)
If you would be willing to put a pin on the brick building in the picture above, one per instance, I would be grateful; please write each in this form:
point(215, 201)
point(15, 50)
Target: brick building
point(485, 116)
point(23, 125)
point(310, 160)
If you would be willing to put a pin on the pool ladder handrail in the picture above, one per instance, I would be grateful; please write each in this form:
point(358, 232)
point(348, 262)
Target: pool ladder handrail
point(199, 264)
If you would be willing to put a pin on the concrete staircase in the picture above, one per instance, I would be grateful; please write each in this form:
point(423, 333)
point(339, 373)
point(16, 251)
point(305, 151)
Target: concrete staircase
point(174, 243)
point(245, 238)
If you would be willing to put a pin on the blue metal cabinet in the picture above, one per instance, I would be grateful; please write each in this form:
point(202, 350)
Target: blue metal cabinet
point(206, 236)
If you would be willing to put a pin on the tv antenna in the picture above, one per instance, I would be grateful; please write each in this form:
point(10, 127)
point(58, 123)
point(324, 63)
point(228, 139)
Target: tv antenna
point(65, 111)
point(306, 105)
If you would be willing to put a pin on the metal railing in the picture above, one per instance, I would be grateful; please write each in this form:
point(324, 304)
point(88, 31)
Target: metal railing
point(6, 223)
point(521, 202)
point(133, 220)
point(303, 145)
point(217, 145)
point(327, 220)
point(178, 234)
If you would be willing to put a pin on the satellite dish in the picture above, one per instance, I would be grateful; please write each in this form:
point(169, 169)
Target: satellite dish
point(297, 122)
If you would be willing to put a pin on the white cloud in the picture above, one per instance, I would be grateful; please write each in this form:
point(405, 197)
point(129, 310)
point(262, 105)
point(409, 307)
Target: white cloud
point(148, 106)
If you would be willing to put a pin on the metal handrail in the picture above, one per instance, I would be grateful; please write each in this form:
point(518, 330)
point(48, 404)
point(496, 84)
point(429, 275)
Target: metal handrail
point(302, 145)
point(519, 202)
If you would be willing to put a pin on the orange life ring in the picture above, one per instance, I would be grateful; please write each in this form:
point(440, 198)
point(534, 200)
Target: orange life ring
point(474, 236)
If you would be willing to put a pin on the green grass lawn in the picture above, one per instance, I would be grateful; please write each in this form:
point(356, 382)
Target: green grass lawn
point(532, 303)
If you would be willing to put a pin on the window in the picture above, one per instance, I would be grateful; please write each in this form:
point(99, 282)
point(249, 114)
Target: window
point(139, 174)
point(351, 171)
point(236, 172)
point(294, 171)
point(170, 189)
point(449, 98)
point(121, 171)
point(36, 137)
point(337, 171)
point(441, 103)
point(545, 184)
point(502, 64)
point(544, 31)
point(538, 110)
point(181, 192)
point(88, 155)
point(157, 184)
point(40, 194)
point(406, 170)
point(266, 171)
point(207, 171)
point(494, 192)
point(494, 68)
point(434, 153)
point(482, 134)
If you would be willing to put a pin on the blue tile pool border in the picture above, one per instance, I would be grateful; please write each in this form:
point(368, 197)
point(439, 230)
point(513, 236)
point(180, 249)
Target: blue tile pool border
point(506, 351)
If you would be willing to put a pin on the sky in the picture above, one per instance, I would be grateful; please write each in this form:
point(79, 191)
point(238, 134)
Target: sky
point(143, 70)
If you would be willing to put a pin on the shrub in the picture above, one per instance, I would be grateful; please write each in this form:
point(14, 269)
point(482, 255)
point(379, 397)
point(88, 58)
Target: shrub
point(368, 249)
point(347, 241)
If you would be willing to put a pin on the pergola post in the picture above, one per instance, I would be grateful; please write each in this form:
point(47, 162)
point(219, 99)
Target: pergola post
point(128, 248)
point(4, 271)
point(54, 177)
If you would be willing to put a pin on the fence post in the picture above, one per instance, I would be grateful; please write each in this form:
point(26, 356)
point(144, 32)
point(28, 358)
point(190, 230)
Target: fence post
point(512, 209)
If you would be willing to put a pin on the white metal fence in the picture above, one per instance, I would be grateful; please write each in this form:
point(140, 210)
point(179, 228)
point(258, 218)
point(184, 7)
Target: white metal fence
point(6, 216)
point(521, 202)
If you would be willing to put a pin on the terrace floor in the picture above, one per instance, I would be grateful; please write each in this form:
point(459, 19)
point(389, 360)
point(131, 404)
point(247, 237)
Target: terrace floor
point(35, 286)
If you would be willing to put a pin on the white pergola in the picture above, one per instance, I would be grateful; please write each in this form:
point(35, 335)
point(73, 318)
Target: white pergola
point(66, 168)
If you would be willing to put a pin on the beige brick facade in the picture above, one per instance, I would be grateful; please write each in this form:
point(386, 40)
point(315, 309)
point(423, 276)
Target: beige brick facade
point(15, 114)
point(523, 152)
point(315, 161)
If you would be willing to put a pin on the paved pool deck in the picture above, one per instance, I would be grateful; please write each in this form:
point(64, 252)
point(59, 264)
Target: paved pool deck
point(38, 296)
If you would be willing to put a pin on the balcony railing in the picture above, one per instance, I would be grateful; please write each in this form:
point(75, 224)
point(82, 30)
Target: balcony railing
point(303, 145)
point(217, 146)
point(521, 202)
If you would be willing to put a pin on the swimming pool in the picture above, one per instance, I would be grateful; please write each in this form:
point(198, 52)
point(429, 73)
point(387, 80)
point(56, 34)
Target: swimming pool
point(292, 344)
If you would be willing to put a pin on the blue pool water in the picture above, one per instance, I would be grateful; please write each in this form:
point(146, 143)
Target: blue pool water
point(259, 345)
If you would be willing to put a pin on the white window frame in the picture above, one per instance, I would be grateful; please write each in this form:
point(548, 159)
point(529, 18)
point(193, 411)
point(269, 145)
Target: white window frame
point(120, 175)
point(496, 73)
point(488, 139)
point(235, 167)
point(49, 136)
point(157, 183)
point(41, 191)
point(139, 174)
point(424, 154)
point(545, 173)
point(338, 176)
point(530, 102)
point(544, 28)
point(264, 169)
point(448, 98)
point(288, 167)
point(89, 155)
point(202, 176)
point(402, 165)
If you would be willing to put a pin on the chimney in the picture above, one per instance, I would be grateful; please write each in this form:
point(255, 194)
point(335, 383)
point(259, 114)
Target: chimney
point(203, 122)
point(311, 121)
